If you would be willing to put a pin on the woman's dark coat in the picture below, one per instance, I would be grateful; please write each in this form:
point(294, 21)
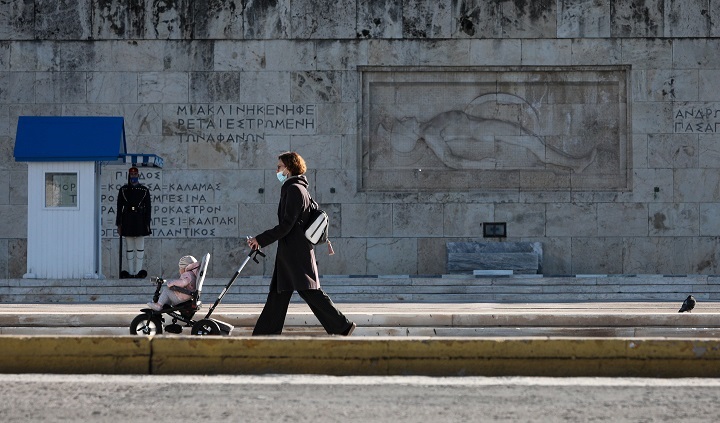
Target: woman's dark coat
point(295, 266)
point(134, 210)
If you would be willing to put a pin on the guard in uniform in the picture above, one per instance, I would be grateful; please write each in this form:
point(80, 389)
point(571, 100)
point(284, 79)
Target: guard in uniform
point(133, 223)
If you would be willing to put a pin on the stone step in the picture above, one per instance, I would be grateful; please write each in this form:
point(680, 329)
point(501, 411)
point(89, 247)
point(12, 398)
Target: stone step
point(600, 332)
point(624, 319)
point(392, 288)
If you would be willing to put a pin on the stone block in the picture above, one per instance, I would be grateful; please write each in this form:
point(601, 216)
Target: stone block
point(379, 19)
point(17, 21)
point(215, 155)
point(557, 255)
point(392, 52)
point(206, 87)
point(496, 52)
point(15, 217)
point(573, 219)
point(335, 55)
point(188, 56)
point(466, 220)
point(163, 87)
point(265, 20)
point(521, 257)
point(319, 151)
point(652, 185)
point(708, 80)
point(18, 194)
point(583, 19)
point(15, 87)
point(218, 19)
point(696, 53)
point(427, 19)
point(523, 220)
point(68, 20)
point(537, 19)
point(648, 53)
point(17, 257)
point(4, 259)
point(687, 18)
point(350, 86)
point(234, 56)
point(366, 220)
point(709, 219)
point(520, 262)
point(673, 151)
point(657, 255)
point(391, 256)
point(34, 56)
point(5, 56)
point(629, 20)
point(319, 19)
point(652, 117)
point(546, 52)
point(679, 219)
point(417, 220)
point(477, 19)
point(4, 187)
point(337, 118)
point(315, 87)
point(665, 85)
point(696, 185)
point(432, 257)
point(291, 55)
point(596, 51)
point(349, 257)
point(112, 87)
point(622, 219)
point(706, 258)
point(61, 87)
point(336, 186)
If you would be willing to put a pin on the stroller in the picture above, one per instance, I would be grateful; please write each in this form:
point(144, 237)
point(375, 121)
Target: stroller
point(151, 322)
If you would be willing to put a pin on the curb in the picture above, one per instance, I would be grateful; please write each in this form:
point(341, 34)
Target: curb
point(554, 357)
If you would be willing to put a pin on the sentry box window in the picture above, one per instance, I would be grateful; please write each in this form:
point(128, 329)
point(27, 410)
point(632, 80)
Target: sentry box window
point(61, 189)
point(494, 230)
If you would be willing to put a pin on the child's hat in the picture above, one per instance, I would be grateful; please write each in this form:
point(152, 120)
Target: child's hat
point(186, 260)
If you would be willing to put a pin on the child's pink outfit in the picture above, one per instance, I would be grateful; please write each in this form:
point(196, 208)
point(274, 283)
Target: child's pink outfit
point(187, 281)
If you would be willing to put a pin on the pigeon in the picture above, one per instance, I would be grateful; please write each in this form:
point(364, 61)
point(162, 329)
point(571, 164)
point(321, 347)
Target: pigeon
point(688, 304)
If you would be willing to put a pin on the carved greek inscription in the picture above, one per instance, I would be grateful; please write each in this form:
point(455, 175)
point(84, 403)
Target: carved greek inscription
point(179, 209)
point(235, 123)
point(697, 118)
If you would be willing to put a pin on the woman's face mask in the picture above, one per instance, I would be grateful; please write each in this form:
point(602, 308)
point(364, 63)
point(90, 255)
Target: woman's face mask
point(281, 177)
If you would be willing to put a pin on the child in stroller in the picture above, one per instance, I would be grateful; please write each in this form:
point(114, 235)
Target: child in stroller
point(179, 290)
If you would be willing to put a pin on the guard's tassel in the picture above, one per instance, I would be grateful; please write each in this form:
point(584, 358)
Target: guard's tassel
point(330, 248)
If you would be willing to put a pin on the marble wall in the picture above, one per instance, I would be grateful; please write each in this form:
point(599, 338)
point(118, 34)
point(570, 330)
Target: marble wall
point(219, 88)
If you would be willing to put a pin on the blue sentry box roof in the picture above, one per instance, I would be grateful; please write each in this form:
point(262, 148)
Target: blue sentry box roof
point(70, 138)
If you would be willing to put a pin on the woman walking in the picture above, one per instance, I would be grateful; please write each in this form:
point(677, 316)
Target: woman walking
point(295, 266)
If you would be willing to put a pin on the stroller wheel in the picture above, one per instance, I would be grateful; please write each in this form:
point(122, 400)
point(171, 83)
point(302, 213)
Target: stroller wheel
point(205, 327)
point(146, 324)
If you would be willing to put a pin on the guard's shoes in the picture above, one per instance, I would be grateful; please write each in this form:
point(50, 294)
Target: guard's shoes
point(124, 274)
point(141, 274)
point(155, 306)
point(350, 330)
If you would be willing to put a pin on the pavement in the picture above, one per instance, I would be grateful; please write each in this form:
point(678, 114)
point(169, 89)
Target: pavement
point(644, 339)
point(593, 319)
